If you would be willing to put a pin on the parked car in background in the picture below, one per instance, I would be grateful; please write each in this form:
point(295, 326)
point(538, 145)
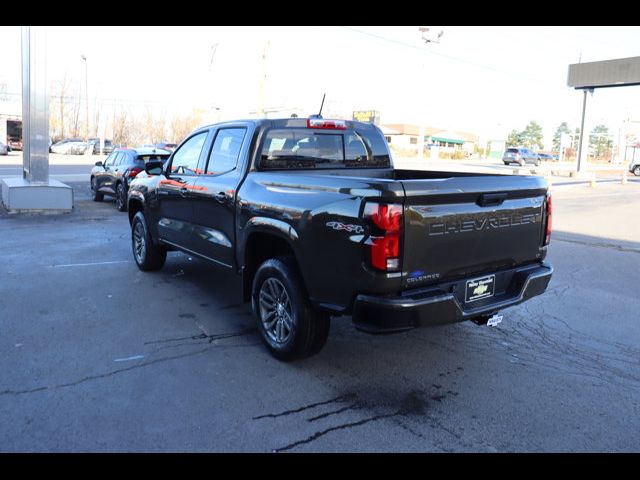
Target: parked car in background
point(107, 148)
point(634, 167)
point(66, 146)
point(164, 146)
point(123, 164)
point(4, 149)
point(520, 156)
point(546, 157)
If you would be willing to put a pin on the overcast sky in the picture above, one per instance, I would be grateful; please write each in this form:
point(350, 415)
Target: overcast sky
point(486, 80)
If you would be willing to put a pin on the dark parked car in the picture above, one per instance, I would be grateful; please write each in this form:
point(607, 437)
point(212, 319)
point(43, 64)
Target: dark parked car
point(313, 216)
point(546, 157)
point(106, 149)
point(520, 156)
point(113, 176)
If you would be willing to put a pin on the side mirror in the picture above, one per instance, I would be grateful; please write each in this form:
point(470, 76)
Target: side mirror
point(98, 164)
point(154, 167)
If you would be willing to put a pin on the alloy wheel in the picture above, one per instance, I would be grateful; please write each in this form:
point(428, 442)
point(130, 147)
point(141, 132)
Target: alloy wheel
point(139, 243)
point(275, 310)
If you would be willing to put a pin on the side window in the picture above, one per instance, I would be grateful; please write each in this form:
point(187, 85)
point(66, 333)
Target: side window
point(225, 151)
point(122, 157)
point(110, 159)
point(185, 160)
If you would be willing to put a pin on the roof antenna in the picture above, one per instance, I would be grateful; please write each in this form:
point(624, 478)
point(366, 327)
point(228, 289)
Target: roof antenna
point(319, 115)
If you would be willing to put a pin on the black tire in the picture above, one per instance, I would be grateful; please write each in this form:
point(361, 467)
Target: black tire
point(95, 195)
point(121, 197)
point(636, 171)
point(309, 328)
point(147, 255)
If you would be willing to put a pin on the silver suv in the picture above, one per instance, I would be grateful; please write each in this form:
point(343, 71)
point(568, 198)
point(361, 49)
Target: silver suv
point(634, 167)
point(520, 156)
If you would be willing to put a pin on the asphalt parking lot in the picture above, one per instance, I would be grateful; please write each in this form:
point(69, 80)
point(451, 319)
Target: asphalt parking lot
point(99, 356)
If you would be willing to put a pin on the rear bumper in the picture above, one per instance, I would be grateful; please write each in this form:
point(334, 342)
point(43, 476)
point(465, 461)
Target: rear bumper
point(444, 303)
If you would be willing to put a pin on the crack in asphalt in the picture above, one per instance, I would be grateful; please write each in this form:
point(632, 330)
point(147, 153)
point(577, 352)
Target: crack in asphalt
point(104, 375)
point(611, 246)
point(203, 336)
point(306, 407)
point(353, 406)
point(343, 426)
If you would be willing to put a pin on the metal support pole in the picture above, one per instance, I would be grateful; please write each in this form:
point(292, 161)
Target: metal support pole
point(35, 106)
point(86, 94)
point(583, 137)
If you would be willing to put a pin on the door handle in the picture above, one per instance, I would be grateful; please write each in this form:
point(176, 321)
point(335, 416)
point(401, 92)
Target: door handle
point(183, 191)
point(220, 196)
point(491, 199)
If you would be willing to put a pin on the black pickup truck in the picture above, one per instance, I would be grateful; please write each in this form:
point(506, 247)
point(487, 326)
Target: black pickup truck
point(317, 221)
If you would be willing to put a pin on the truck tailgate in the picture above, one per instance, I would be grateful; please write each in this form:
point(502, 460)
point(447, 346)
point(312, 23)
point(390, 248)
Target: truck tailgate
point(466, 226)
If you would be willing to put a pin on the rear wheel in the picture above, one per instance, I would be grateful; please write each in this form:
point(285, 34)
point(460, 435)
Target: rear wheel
point(288, 325)
point(121, 198)
point(95, 195)
point(636, 171)
point(147, 255)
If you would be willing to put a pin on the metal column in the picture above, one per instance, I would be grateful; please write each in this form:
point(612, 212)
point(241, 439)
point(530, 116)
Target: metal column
point(583, 138)
point(35, 106)
point(35, 192)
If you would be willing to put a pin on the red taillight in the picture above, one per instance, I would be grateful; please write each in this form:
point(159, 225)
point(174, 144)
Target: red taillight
point(547, 230)
point(134, 171)
point(328, 124)
point(384, 242)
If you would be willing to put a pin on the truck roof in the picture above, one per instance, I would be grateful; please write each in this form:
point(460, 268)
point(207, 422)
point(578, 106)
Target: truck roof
point(291, 122)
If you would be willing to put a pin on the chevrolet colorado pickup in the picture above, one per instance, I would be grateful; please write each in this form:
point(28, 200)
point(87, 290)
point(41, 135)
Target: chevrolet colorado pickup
point(313, 216)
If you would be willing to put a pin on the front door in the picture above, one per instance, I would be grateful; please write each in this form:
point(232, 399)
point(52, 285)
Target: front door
point(175, 211)
point(214, 196)
point(103, 177)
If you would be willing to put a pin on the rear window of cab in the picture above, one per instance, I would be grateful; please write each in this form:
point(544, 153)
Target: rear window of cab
point(304, 148)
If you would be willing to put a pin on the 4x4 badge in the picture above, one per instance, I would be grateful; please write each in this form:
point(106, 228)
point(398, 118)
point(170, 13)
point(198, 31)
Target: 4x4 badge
point(345, 226)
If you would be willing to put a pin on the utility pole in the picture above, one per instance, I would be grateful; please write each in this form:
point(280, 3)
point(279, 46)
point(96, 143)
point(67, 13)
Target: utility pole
point(86, 94)
point(263, 79)
point(427, 36)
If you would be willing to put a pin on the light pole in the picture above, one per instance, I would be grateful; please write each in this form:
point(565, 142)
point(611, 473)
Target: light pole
point(427, 37)
point(86, 94)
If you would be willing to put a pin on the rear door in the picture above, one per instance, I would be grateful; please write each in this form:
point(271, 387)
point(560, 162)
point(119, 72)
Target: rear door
point(462, 226)
point(175, 211)
point(214, 196)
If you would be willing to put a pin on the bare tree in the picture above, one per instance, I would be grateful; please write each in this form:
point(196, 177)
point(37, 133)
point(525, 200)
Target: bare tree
point(121, 128)
point(154, 126)
point(62, 102)
point(181, 126)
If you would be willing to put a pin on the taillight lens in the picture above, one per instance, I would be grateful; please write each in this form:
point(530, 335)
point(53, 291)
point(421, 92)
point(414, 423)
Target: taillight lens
point(134, 171)
point(547, 230)
point(384, 242)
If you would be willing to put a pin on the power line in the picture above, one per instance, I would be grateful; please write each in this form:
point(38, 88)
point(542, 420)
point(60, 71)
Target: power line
point(450, 57)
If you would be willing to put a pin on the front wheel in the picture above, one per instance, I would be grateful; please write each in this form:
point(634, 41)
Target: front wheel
point(289, 327)
point(147, 255)
point(636, 171)
point(121, 198)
